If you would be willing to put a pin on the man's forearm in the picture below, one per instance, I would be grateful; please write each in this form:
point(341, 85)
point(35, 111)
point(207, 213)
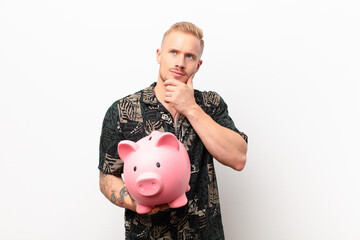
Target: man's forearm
point(227, 146)
point(114, 189)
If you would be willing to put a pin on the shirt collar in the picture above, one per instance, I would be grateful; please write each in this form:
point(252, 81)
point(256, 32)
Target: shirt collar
point(148, 96)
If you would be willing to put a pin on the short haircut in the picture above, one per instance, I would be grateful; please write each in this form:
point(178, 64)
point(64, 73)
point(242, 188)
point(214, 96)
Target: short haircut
point(187, 27)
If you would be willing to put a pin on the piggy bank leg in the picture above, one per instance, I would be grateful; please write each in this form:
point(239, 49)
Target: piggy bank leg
point(179, 202)
point(141, 209)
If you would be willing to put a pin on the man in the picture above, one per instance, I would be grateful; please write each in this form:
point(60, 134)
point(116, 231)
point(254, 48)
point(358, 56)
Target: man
point(199, 120)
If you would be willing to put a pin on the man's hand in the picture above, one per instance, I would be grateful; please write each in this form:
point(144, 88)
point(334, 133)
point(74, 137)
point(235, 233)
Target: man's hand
point(180, 95)
point(158, 208)
point(129, 203)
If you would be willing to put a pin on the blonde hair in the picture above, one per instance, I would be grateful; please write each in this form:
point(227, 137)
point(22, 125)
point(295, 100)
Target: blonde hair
point(187, 27)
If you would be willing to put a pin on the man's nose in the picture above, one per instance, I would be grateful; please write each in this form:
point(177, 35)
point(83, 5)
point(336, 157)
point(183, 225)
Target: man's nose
point(180, 62)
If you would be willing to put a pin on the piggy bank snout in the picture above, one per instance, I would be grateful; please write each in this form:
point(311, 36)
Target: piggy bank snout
point(149, 184)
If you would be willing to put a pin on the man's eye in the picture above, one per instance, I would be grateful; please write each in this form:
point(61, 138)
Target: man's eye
point(173, 52)
point(189, 56)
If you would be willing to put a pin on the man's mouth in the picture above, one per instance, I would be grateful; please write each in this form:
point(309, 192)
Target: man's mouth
point(177, 73)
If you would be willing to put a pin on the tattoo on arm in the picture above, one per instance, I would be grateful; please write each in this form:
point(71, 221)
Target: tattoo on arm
point(105, 187)
point(123, 193)
point(105, 183)
point(112, 197)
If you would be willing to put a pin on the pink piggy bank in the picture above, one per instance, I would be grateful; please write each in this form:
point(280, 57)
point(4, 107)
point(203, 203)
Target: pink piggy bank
point(156, 171)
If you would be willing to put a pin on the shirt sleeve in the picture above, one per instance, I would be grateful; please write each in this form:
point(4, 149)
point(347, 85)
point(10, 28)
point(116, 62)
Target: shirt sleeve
point(218, 110)
point(109, 160)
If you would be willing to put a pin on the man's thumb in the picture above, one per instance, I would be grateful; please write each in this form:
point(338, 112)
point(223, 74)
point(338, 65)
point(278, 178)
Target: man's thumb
point(190, 81)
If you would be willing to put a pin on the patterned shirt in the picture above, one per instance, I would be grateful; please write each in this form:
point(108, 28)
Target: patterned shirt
point(135, 117)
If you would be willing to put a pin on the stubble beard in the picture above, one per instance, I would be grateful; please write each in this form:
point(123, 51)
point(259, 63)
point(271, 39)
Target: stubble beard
point(163, 79)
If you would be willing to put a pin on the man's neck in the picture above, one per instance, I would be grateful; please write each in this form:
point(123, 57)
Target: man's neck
point(159, 90)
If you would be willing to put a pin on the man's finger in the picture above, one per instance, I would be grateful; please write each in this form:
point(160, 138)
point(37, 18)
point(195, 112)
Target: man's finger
point(190, 81)
point(171, 82)
point(170, 88)
point(168, 94)
point(163, 207)
point(154, 211)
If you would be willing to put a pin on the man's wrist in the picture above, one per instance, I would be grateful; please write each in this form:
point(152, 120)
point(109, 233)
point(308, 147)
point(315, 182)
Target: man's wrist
point(129, 203)
point(193, 112)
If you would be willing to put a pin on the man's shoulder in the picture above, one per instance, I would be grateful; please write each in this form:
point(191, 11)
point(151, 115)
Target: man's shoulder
point(135, 97)
point(207, 98)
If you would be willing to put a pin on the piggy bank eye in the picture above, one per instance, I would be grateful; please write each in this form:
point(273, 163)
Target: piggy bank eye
point(158, 164)
point(135, 169)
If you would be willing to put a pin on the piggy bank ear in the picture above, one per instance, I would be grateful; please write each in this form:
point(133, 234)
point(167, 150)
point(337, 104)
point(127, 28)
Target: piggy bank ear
point(168, 140)
point(125, 148)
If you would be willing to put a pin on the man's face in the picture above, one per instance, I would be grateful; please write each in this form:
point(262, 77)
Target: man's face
point(179, 56)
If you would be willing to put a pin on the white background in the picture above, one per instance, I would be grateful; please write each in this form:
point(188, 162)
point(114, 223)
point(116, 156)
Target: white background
point(287, 69)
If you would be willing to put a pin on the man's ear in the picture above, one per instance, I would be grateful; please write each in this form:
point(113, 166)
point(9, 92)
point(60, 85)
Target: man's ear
point(198, 65)
point(158, 55)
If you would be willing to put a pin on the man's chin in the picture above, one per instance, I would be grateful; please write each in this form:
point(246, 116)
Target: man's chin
point(178, 78)
point(181, 79)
